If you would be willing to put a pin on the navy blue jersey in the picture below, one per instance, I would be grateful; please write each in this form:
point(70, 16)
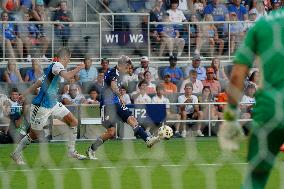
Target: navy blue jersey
point(47, 96)
point(108, 96)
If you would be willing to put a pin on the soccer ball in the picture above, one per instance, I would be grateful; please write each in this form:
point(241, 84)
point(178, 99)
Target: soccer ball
point(165, 132)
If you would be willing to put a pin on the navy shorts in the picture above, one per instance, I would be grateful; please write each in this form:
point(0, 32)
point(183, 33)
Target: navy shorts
point(112, 113)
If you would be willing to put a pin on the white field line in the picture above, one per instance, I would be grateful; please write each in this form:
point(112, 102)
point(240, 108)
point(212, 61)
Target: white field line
point(114, 167)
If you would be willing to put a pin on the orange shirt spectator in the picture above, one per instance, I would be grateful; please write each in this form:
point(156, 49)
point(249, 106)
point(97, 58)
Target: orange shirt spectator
point(222, 97)
point(211, 82)
point(168, 85)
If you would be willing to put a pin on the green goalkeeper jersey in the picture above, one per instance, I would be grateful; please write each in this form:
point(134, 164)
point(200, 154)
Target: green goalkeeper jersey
point(266, 40)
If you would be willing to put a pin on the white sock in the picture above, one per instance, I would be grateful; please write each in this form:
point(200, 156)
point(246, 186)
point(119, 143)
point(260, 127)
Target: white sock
point(23, 144)
point(72, 139)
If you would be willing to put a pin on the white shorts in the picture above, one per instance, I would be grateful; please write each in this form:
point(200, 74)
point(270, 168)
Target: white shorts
point(39, 115)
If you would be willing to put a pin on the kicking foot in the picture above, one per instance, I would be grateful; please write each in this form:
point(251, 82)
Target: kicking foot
point(91, 154)
point(152, 141)
point(18, 159)
point(76, 155)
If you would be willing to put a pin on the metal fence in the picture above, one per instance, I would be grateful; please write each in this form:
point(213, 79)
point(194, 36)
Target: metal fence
point(121, 33)
point(89, 116)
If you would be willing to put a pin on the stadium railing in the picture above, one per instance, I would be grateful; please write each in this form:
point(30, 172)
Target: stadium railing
point(131, 34)
point(89, 115)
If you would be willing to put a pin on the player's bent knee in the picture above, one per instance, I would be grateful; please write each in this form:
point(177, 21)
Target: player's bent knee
point(132, 121)
point(33, 134)
point(110, 133)
point(70, 120)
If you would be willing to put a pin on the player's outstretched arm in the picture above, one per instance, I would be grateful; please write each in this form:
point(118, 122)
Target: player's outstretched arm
point(230, 131)
point(70, 74)
point(32, 88)
point(115, 89)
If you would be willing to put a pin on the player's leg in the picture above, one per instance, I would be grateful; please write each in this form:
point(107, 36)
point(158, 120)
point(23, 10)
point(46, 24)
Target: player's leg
point(109, 119)
point(38, 119)
point(127, 117)
point(263, 147)
point(59, 110)
point(108, 134)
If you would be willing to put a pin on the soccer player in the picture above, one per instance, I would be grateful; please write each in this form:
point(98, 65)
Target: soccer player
point(46, 104)
point(264, 40)
point(113, 108)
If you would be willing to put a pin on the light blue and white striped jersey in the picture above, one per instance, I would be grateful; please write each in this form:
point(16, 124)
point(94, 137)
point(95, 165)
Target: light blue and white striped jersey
point(47, 96)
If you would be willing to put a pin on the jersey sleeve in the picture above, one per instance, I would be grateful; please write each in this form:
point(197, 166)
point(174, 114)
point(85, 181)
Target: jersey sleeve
point(246, 53)
point(57, 68)
point(111, 76)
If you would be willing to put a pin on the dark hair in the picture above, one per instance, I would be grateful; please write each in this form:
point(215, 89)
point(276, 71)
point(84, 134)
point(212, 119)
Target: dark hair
point(188, 85)
point(4, 12)
point(144, 74)
point(142, 82)
point(123, 87)
point(252, 75)
point(192, 71)
point(104, 59)
point(160, 87)
point(14, 90)
point(64, 51)
point(87, 58)
point(93, 89)
point(249, 86)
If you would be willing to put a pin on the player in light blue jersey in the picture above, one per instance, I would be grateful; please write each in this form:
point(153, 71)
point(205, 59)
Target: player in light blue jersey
point(46, 104)
point(113, 109)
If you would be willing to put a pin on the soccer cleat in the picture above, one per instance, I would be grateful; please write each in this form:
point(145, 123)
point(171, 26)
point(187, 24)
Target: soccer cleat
point(76, 155)
point(229, 135)
point(18, 159)
point(91, 154)
point(199, 133)
point(177, 135)
point(183, 134)
point(152, 141)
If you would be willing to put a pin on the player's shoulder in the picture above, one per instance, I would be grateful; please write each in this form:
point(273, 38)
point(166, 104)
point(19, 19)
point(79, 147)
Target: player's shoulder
point(274, 17)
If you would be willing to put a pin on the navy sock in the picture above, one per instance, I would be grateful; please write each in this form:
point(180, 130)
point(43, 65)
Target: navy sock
point(139, 131)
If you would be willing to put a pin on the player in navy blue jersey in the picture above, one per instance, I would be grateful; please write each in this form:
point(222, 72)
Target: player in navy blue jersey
point(46, 104)
point(113, 109)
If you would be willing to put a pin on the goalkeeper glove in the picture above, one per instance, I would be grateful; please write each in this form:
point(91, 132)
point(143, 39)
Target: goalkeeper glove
point(230, 130)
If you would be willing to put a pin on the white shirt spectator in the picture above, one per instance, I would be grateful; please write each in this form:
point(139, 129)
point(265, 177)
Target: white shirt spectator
point(142, 99)
point(176, 16)
point(127, 78)
point(197, 86)
point(152, 70)
point(126, 98)
point(247, 99)
point(163, 100)
point(183, 5)
point(77, 100)
point(188, 108)
point(4, 105)
point(91, 101)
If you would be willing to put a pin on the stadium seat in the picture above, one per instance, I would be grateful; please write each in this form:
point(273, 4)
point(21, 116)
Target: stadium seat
point(131, 86)
point(23, 71)
point(4, 88)
point(87, 86)
point(2, 70)
point(160, 71)
point(173, 98)
point(137, 5)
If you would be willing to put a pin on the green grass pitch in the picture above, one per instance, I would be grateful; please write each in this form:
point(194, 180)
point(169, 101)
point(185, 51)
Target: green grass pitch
point(191, 163)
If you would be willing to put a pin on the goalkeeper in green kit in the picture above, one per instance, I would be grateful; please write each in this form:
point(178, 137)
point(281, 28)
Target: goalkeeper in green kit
point(264, 40)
